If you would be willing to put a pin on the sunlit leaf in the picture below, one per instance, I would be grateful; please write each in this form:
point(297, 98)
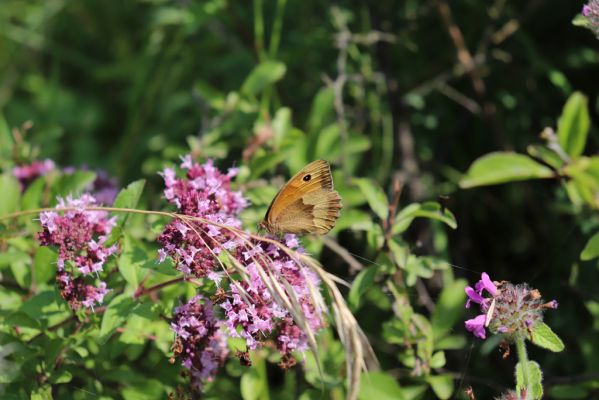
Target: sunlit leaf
point(573, 125)
point(264, 74)
point(503, 167)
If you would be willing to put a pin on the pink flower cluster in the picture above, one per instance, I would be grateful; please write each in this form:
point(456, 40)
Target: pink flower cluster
point(591, 12)
point(254, 315)
point(199, 341)
point(80, 237)
point(28, 173)
point(243, 308)
point(206, 193)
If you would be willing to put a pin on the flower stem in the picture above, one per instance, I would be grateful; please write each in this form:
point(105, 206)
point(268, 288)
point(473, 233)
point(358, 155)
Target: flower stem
point(523, 361)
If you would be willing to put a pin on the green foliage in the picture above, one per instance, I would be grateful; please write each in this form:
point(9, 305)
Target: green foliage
point(573, 125)
point(376, 89)
point(535, 378)
point(544, 337)
point(503, 167)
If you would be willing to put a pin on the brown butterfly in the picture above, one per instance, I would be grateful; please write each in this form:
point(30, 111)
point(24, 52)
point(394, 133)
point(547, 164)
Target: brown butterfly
point(306, 204)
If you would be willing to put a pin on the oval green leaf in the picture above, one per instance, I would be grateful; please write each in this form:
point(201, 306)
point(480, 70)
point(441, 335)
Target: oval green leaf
point(591, 250)
point(573, 125)
point(503, 167)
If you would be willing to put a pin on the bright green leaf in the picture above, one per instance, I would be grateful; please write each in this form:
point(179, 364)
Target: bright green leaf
point(61, 376)
point(430, 209)
point(128, 198)
point(72, 184)
point(591, 250)
point(32, 198)
point(573, 125)
point(6, 140)
point(442, 385)
point(375, 196)
point(44, 264)
point(547, 155)
point(264, 74)
point(11, 194)
point(503, 167)
point(450, 307)
point(322, 110)
point(535, 378)
point(379, 386)
point(116, 315)
point(544, 337)
point(361, 284)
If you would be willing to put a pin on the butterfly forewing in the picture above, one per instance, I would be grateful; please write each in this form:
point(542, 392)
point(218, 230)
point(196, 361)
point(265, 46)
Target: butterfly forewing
point(306, 204)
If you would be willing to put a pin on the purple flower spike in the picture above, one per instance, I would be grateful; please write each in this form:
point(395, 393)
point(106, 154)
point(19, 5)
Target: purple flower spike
point(586, 10)
point(477, 326)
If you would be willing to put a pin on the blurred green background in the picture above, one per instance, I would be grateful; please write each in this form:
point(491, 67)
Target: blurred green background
point(410, 90)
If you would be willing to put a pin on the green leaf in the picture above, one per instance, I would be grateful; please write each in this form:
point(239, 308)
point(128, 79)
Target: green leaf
point(61, 376)
point(374, 196)
point(21, 319)
point(131, 260)
point(32, 198)
point(573, 125)
point(128, 198)
point(502, 167)
point(535, 377)
point(252, 385)
point(322, 110)
point(73, 184)
point(6, 139)
point(544, 337)
point(361, 284)
point(116, 315)
point(11, 194)
point(545, 154)
point(450, 307)
point(42, 393)
point(442, 385)
point(430, 209)
point(12, 256)
point(44, 265)
point(379, 386)
point(591, 250)
point(438, 360)
point(264, 74)
point(22, 273)
point(42, 306)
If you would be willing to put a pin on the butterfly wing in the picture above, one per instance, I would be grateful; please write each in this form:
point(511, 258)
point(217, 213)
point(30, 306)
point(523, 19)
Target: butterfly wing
point(306, 204)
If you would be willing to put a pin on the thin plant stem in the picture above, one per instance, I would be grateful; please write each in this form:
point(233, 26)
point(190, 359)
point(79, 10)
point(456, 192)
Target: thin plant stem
point(523, 361)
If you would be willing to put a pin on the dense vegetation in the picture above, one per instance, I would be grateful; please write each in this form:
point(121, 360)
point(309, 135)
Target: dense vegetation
point(462, 138)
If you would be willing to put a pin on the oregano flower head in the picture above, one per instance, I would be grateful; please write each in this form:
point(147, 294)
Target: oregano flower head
point(204, 192)
point(79, 236)
point(199, 342)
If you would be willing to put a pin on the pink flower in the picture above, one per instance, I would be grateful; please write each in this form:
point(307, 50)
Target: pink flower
point(199, 342)
point(28, 173)
point(206, 193)
point(477, 326)
point(80, 237)
point(510, 310)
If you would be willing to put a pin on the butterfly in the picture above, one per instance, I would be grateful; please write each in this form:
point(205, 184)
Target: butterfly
point(306, 204)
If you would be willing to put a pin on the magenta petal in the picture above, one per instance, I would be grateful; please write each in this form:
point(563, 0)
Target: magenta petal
point(486, 283)
point(473, 296)
point(477, 326)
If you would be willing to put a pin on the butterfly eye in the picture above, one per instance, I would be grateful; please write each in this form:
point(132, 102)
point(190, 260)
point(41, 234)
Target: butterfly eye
point(307, 178)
